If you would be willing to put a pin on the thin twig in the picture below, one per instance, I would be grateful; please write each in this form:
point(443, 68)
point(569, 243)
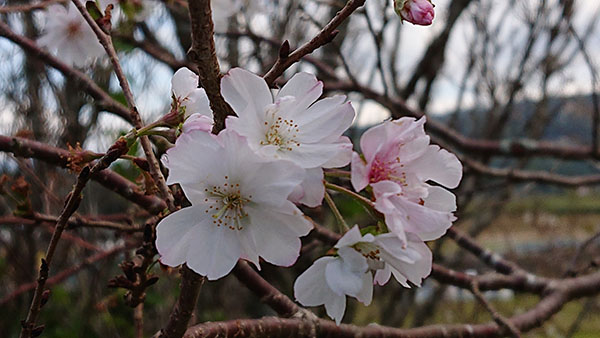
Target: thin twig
point(74, 198)
point(323, 37)
point(61, 276)
point(138, 320)
point(498, 318)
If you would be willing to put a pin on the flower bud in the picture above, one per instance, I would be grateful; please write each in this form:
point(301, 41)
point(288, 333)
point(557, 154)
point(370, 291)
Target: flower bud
point(418, 12)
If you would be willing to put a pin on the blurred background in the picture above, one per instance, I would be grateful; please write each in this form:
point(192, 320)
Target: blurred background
point(519, 74)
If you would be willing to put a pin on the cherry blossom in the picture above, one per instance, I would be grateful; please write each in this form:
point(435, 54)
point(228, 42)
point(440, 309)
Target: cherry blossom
point(397, 161)
point(69, 37)
point(291, 125)
point(330, 279)
point(239, 206)
point(418, 12)
point(187, 95)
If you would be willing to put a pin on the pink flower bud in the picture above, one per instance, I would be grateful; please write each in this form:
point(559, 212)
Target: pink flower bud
point(418, 12)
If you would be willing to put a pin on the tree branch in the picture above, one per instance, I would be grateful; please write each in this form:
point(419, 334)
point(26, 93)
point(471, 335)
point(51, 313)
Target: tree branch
point(285, 60)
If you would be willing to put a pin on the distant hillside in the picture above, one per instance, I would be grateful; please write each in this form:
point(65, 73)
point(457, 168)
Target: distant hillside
point(570, 121)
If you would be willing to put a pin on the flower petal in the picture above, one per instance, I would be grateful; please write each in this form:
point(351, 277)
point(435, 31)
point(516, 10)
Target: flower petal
point(359, 174)
point(414, 272)
point(313, 188)
point(173, 234)
point(440, 166)
point(350, 238)
point(342, 280)
point(184, 82)
point(277, 234)
point(365, 295)
point(304, 87)
point(311, 289)
point(214, 251)
point(243, 89)
point(344, 155)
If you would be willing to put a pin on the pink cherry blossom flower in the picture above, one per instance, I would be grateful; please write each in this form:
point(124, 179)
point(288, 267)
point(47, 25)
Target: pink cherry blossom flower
point(292, 125)
point(239, 206)
point(69, 37)
point(398, 161)
point(418, 12)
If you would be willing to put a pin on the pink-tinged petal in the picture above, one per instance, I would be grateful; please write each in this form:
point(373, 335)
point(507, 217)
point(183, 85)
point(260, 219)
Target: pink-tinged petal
point(440, 199)
point(417, 12)
point(313, 189)
point(333, 121)
point(413, 149)
point(173, 234)
point(372, 140)
point(403, 215)
point(359, 175)
point(243, 89)
point(414, 272)
point(344, 155)
point(427, 223)
point(386, 201)
point(440, 166)
point(197, 122)
point(393, 249)
point(320, 109)
point(304, 87)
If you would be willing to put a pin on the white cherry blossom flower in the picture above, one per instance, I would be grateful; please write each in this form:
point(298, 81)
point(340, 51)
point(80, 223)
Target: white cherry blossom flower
point(184, 88)
point(291, 125)
point(239, 206)
point(330, 279)
point(398, 160)
point(69, 37)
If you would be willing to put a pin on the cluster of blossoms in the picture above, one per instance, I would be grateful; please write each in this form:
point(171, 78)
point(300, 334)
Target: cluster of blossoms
point(246, 184)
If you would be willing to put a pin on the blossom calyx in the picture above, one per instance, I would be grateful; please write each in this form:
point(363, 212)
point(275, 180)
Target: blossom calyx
point(417, 12)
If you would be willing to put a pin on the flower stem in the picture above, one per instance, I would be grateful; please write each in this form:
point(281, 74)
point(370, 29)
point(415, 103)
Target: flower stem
point(362, 200)
point(337, 173)
point(365, 202)
point(336, 212)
